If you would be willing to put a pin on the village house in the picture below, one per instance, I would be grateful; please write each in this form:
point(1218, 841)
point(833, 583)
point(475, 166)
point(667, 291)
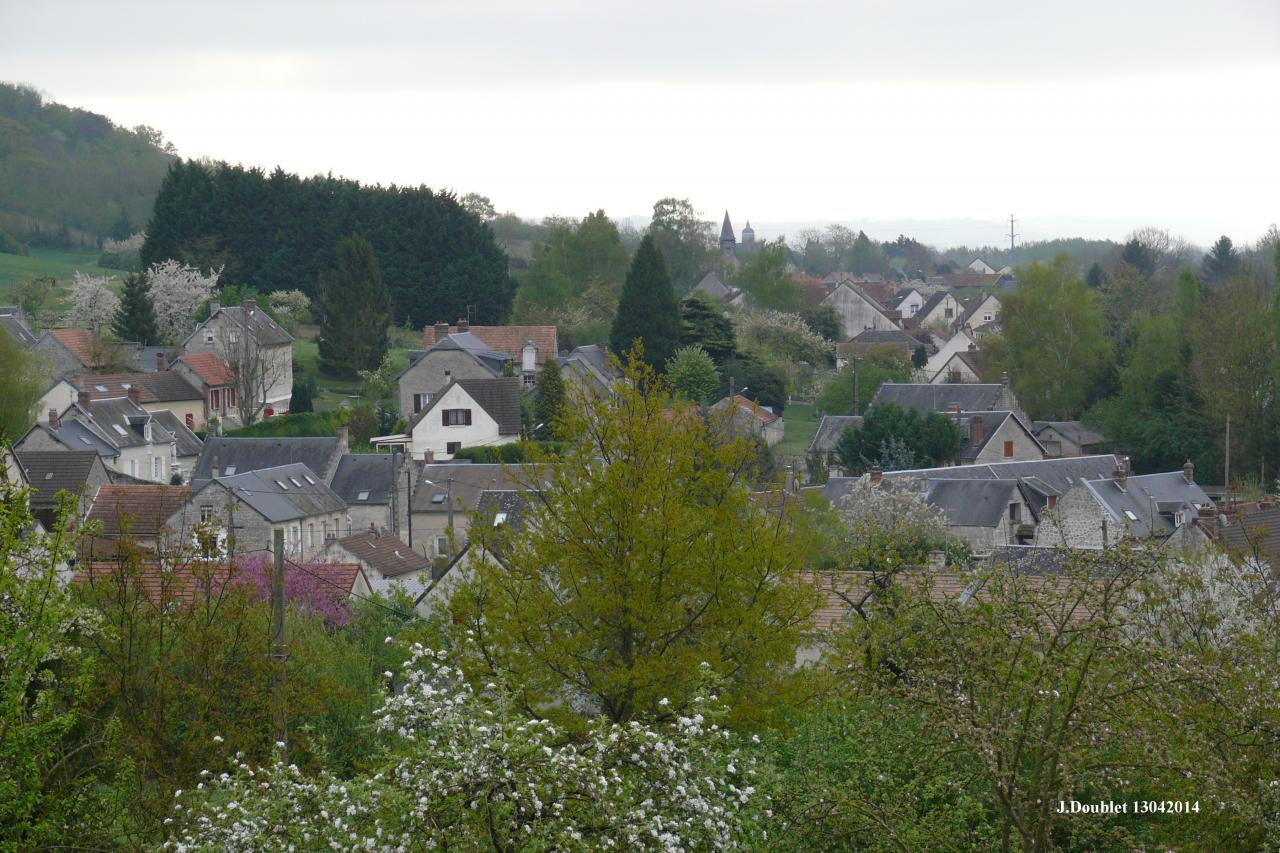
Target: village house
point(857, 310)
point(247, 507)
point(996, 437)
point(138, 511)
point(972, 397)
point(50, 472)
point(216, 382)
point(940, 309)
point(961, 369)
point(499, 510)
point(13, 320)
point(748, 418)
point(374, 490)
point(985, 513)
point(870, 339)
point(128, 438)
point(827, 437)
point(256, 349)
point(588, 369)
point(226, 456)
point(467, 413)
point(386, 559)
point(445, 495)
point(460, 355)
point(157, 392)
point(718, 292)
point(982, 312)
point(907, 302)
point(946, 348)
point(72, 351)
point(1067, 438)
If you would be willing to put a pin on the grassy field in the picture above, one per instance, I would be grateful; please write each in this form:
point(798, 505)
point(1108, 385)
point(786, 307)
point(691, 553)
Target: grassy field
point(331, 391)
point(801, 423)
point(58, 263)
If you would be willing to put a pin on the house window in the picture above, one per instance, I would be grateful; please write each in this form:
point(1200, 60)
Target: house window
point(1015, 513)
point(215, 398)
point(452, 447)
point(231, 396)
point(191, 421)
point(1053, 501)
point(455, 417)
point(157, 468)
point(206, 513)
point(530, 380)
point(311, 535)
point(442, 545)
point(208, 336)
point(949, 313)
point(987, 318)
point(1008, 450)
point(133, 467)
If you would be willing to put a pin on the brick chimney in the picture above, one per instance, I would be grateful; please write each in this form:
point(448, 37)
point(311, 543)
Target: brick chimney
point(953, 408)
point(1122, 472)
point(973, 347)
point(977, 430)
point(83, 399)
point(344, 434)
point(249, 306)
point(1004, 379)
point(876, 476)
point(135, 394)
point(463, 324)
point(1189, 472)
point(160, 362)
point(53, 419)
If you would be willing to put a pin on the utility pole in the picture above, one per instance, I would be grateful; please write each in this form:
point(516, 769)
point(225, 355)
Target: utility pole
point(857, 385)
point(1012, 235)
point(408, 499)
point(1226, 474)
point(448, 497)
point(395, 495)
point(277, 636)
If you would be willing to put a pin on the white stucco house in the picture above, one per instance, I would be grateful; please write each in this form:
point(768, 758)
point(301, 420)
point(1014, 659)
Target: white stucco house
point(467, 413)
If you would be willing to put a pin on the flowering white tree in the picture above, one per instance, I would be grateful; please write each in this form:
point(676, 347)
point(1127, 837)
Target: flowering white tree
point(177, 291)
point(93, 302)
point(293, 307)
point(470, 771)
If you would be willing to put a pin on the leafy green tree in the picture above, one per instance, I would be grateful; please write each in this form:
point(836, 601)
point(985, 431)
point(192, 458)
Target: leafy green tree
point(135, 319)
point(24, 377)
point(550, 398)
point(865, 256)
point(823, 320)
point(763, 276)
point(685, 240)
point(693, 374)
point(1189, 296)
point(1140, 256)
point(647, 310)
point(1222, 261)
point(703, 323)
point(355, 311)
point(379, 384)
point(892, 437)
point(36, 297)
point(1055, 348)
point(874, 368)
point(625, 577)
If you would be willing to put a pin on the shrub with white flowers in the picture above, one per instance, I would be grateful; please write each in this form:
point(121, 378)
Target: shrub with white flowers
point(93, 302)
point(466, 768)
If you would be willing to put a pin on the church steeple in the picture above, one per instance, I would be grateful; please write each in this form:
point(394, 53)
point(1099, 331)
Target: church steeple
point(748, 236)
point(728, 243)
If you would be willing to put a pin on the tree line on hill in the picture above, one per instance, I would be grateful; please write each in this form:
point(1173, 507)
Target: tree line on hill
point(281, 232)
point(72, 177)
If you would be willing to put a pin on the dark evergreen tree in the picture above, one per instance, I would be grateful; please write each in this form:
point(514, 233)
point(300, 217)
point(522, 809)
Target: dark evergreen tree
point(891, 437)
point(1140, 256)
point(302, 398)
point(647, 310)
point(920, 357)
point(136, 318)
point(355, 311)
point(1096, 277)
point(550, 398)
point(703, 323)
point(1222, 262)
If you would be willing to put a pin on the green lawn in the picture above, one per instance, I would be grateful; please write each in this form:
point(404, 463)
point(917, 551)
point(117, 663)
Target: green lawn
point(801, 424)
point(331, 391)
point(59, 263)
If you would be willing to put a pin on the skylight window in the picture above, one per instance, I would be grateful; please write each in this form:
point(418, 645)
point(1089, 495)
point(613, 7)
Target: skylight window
point(1128, 513)
point(49, 475)
point(363, 496)
point(230, 469)
point(103, 388)
point(437, 498)
point(499, 519)
point(281, 484)
point(308, 479)
point(85, 439)
point(294, 480)
point(118, 429)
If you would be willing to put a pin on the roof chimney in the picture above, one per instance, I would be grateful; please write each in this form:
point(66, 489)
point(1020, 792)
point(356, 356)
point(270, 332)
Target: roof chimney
point(53, 419)
point(1122, 472)
point(216, 468)
point(789, 483)
point(82, 398)
point(159, 362)
point(214, 307)
point(463, 324)
point(977, 430)
point(937, 561)
point(876, 475)
point(1189, 472)
point(973, 347)
point(442, 329)
point(1004, 379)
point(249, 305)
point(344, 433)
point(953, 408)
point(135, 393)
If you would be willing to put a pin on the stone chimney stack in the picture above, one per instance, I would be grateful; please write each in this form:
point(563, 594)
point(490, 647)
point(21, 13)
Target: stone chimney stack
point(1122, 472)
point(1189, 472)
point(953, 408)
point(135, 394)
point(83, 399)
point(53, 419)
point(1004, 379)
point(214, 307)
point(160, 362)
point(937, 561)
point(343, 436)
point(977, 430)
point(249, 306)
point(789, 483)
point(463, 324)
point(442, 330)
point(216, 468)
point(876, 476)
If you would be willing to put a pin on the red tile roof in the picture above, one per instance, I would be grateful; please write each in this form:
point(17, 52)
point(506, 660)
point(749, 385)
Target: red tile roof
point(508, 340)
point(140, 509)
point(179, 583)
point(82, 344)
point(212, 370)
point(754, 409)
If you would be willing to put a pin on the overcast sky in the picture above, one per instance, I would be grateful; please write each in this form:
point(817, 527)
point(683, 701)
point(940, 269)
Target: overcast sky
point(1080, 117)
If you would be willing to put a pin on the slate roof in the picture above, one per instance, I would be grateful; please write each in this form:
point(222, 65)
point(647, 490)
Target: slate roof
point(385, 553)
point(1256, 534)
point(238, 455)
point(107, 415)
point(830, 428)
point(188, 443)
point(969, 361)
point(51, 471)
point(495, 361)
point(506, 340)
point(211, 369)
point(163, 387)
point(283, 493)
point(370, 474)
point(260, 325)
point(1149, 504)
point(140, 509)
point(991, 424)
point(1057, 475)
point(923, 397)
point(499, 397)
point(726, 229)
point(17, 330)
point(469, 483)
point(712, 286)
point(971, 503)
point(931, 303)
point(1075, 431)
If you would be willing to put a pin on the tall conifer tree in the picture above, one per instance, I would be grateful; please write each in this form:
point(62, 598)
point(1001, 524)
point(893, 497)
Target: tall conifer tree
point(647, 310)
point(355, 311)
point(136, 319)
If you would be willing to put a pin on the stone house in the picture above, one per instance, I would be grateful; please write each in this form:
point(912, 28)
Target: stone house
point(985, 513)
point(746, 417)
point(495, 508)
point(970, 397)
point(461, 355)
point(857, 310)
point(247, 507)
point(138, 510)
point(467, 413)
point(588, 369)
point(375, 490)
point(215, 381)
point(1067, 438)
point(257, 350)
point(446, 495)
point(72, 351)
point(157, 392)
point(996, 437)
